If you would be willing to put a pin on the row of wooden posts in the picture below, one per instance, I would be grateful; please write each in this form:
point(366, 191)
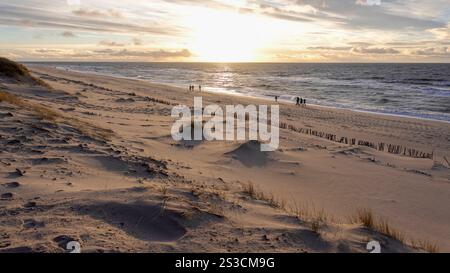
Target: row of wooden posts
point(380, 146)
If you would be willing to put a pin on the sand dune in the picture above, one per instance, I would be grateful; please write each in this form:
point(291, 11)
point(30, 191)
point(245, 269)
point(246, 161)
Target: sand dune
point(250, 154)
point(102, 170)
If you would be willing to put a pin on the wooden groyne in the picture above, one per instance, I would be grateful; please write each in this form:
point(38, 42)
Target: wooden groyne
point(380, 146)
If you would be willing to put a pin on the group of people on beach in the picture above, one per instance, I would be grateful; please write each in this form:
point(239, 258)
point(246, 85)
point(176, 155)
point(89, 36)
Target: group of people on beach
point(299, 101)
point(192, 88)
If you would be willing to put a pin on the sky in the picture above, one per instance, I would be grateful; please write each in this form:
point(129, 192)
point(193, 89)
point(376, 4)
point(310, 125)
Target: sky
point(226, 30)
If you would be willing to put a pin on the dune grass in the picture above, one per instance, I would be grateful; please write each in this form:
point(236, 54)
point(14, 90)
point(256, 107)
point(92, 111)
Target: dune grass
point(18, 72)
point(7, 97)
point(45, 113)
point(316, 218)
point(38, 110)
point(425, 245)
point(12, 69)
point(368, 220)
point(274, 202)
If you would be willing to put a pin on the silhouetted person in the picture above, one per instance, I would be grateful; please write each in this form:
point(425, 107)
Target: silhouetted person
point(304, 102)
point(200, 88)
point(276, 98)
point(298, 101)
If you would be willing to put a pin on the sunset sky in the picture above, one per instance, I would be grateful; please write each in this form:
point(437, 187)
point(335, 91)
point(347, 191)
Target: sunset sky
point(226, 31)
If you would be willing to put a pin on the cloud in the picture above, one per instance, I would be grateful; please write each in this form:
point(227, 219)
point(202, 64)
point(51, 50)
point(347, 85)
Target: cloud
point(375, 50)
point(137, 41)
point(40, 18)
point(158, 54)
point(360, 44)
point(68, 34)
point(101, 54)
point(368, 2)
point(433, 51)
point(97, 13)
point(330, 48)
point(47, 51)
point(87, 12)
point(304, 29)
point(204, 3)
point(441, 33)
point(110, 43)
point(360, 14)
point(73, 2)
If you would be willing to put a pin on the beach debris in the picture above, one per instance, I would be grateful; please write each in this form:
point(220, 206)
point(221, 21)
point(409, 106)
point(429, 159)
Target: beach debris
point(19, 172)
point(420, 172)
point(446, 160)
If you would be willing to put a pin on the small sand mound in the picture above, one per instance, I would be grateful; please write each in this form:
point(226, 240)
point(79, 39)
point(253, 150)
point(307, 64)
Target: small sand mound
point(250, 154)
point(18, 73)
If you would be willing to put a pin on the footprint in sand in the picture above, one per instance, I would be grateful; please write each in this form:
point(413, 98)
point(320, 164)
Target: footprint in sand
point(5, 244)
point(31, 223)
point(30, 204)
point(7, 196)
point(12, 185)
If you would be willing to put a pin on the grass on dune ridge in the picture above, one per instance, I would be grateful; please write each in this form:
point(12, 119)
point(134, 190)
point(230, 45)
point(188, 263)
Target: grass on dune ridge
point(18, 72)
point(44, 112)
point(316, 218)
point(39, 110)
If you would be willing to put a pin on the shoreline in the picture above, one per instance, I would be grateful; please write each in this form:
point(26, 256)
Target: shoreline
point(254, 96)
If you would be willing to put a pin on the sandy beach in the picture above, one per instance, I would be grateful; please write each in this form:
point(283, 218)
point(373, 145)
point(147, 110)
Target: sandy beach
point(102, 169)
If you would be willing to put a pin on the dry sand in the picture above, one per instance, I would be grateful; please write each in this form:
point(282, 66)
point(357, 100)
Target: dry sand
point(106, 172)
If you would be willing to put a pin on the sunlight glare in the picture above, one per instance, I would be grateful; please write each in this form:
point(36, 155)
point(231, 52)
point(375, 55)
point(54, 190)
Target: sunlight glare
point(221, 36)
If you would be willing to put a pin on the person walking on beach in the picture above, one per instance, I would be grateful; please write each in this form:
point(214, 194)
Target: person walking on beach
point(276, 98)
point(298, 101)
point(304, 102)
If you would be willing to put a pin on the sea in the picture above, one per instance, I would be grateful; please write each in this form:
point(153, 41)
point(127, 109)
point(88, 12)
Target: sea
point(411, 90)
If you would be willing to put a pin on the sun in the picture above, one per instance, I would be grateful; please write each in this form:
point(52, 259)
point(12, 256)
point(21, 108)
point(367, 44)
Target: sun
point(220, 36)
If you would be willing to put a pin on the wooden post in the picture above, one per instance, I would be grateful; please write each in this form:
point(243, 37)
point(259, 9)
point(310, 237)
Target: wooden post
point(448, 163)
